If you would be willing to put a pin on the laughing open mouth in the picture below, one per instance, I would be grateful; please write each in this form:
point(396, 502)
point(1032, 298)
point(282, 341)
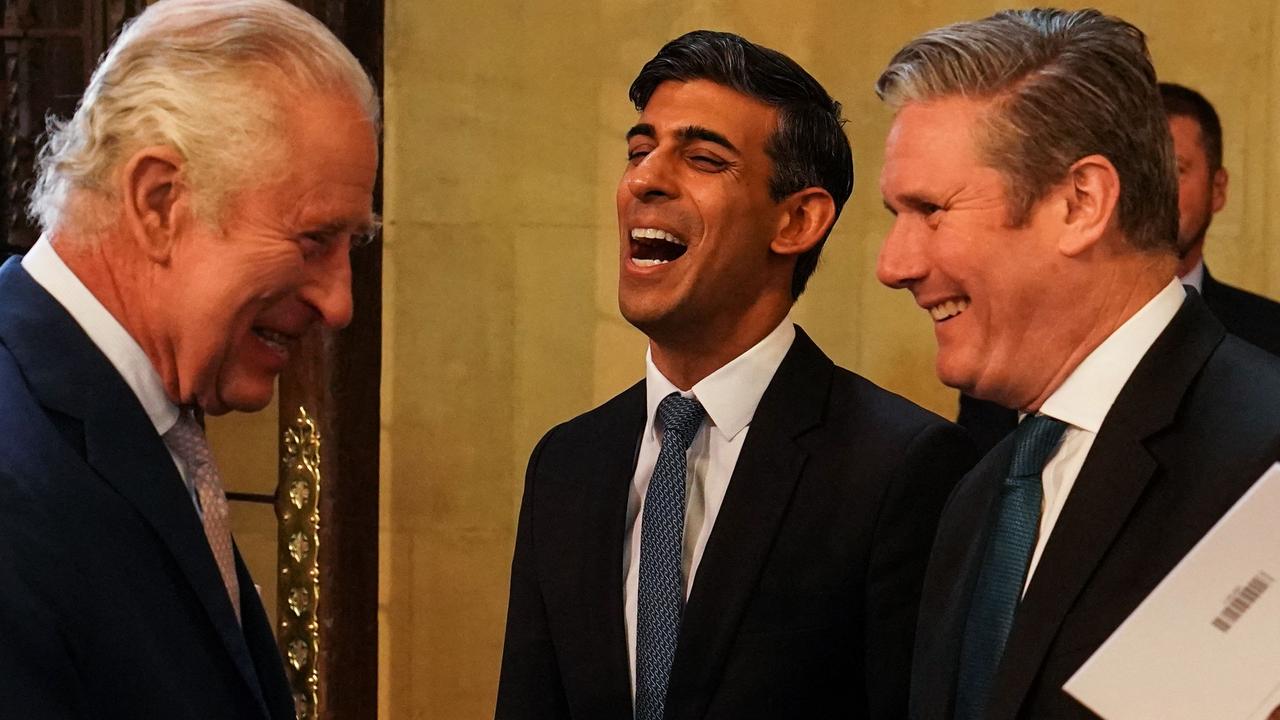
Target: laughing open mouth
point(651, 246)
point(275, 340)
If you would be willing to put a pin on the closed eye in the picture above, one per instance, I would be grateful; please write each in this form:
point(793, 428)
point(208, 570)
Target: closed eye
point(708, 162)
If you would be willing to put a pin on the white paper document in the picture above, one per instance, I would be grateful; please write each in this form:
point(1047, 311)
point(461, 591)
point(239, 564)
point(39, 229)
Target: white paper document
point(1206, 642)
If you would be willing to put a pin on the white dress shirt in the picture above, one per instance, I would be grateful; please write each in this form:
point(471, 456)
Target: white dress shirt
point(1085, 398)
point(122, 351)
point(730, 396)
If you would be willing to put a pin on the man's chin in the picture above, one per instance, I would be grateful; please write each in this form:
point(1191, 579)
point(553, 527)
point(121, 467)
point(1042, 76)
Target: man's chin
point(249, 398)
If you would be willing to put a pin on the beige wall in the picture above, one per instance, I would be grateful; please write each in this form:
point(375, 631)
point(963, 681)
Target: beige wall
point(503, 147)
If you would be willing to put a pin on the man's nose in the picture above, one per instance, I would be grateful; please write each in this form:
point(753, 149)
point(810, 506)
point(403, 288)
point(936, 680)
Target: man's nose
point(328, 290)
point(652, 178)
point(901, 262)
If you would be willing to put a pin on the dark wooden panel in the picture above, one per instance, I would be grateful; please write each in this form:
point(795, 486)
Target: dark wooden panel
point(339, 384)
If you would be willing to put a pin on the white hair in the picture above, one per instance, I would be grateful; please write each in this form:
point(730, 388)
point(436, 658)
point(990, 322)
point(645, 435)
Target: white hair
point(211, 79)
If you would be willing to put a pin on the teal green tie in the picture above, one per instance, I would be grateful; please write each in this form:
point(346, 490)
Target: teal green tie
point(1004, 564)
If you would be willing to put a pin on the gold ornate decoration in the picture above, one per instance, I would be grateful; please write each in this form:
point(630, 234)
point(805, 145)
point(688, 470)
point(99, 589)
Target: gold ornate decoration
point(298, 590)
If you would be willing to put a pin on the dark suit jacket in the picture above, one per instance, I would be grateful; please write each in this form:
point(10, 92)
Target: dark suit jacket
point(1196, 424)
point(111, 604)
point(804, 600)
point(1250, 317)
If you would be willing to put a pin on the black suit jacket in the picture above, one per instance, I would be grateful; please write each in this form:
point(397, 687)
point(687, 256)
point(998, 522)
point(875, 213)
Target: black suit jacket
point(1252, 318)
point(1197, 423)
point(111, 604)
point(804, 600)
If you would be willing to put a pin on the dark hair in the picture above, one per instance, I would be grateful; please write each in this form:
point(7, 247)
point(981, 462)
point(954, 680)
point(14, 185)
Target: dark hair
point(808, 148)
point(1185, 102)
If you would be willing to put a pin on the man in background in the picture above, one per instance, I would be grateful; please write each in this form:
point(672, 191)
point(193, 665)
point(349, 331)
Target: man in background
point(197, 214)
point(1032, 180)
point(742, 534)
point(1202, 192)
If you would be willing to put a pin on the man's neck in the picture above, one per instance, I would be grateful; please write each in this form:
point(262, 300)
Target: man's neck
point(1192, 258)
point(685, 362)
point(1127, 292)
point(116, 279)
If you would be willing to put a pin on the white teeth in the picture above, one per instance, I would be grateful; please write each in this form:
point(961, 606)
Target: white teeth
point(655, 234)
point(278, 341)
point(648, 263)
point(947, 309)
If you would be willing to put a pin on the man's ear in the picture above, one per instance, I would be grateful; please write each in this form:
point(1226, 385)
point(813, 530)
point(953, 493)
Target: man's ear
point(1092, 193)
point(1219, 182)
point(809, 214)
point(156, 199)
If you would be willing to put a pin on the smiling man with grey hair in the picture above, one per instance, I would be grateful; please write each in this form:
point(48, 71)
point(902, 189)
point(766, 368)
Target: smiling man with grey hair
point(197, 214)
point(1030, 173)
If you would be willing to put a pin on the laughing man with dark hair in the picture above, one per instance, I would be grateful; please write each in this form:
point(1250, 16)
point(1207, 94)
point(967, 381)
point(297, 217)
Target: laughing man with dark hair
point(743, 533)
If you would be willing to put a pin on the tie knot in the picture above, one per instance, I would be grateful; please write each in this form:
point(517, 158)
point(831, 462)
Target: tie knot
point(1035, 439)
point(680, 416)
point(187, 439)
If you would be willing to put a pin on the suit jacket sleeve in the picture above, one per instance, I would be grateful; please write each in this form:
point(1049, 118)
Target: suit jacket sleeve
point(934, 461)
point(530, 685)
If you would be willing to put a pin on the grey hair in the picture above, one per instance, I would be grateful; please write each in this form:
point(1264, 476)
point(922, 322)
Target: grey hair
point(1062, 85)
point(210, 79)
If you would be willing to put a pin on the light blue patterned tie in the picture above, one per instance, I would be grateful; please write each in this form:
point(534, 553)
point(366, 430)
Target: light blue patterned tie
point(1004, 564)
point(661, 595)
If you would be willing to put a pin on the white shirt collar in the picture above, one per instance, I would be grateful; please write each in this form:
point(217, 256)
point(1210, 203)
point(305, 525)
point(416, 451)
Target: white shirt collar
point(1088, 393)
point(731, 394)
point(1195, 276)
point(51, 273)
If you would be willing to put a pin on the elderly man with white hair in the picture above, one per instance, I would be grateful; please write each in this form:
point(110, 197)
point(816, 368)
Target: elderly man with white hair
point(197, 215)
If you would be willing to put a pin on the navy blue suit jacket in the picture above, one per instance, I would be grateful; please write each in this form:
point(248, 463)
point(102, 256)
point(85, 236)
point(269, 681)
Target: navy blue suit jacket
point(111, 605)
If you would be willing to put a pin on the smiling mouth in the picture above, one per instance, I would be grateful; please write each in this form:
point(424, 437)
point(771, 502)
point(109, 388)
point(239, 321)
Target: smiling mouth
point(651, 246)
point(948, 309)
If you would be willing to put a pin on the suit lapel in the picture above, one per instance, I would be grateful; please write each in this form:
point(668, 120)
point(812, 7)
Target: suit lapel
point(597, 537)
point(1111, 482)
point(954, 563)
point(754, 506)
point(67, 373)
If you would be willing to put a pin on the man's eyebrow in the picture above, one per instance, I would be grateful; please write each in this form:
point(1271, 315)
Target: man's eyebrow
point(685, 134)
point(356, 226)
point(644, 129)
point(697, 132)
point(911, 201)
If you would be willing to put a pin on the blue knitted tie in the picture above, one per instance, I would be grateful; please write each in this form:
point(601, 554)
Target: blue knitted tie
point(1004, 564)
point(661, 594)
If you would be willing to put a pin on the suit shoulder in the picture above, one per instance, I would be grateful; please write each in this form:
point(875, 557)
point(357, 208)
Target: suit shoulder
point(1253, 318)
point(622, 409)
point(1243, 372)
point(854, 395)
